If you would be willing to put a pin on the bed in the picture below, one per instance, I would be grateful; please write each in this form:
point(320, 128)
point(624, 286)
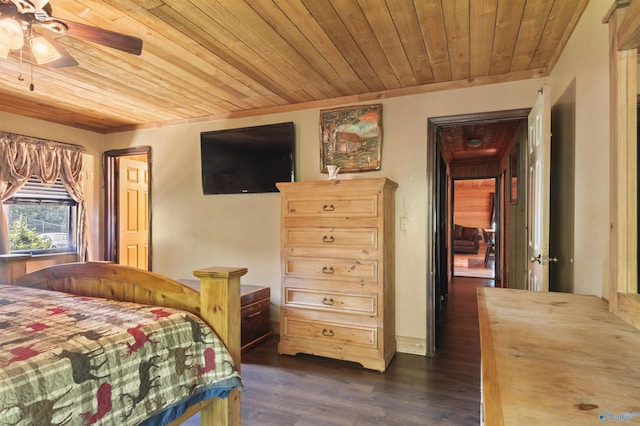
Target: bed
point(119, 345)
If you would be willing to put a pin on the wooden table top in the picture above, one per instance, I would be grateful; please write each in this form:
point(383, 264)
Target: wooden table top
point(556, 358)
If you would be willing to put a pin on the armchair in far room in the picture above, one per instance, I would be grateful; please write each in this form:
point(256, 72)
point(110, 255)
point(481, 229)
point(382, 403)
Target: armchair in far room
point(466, 239)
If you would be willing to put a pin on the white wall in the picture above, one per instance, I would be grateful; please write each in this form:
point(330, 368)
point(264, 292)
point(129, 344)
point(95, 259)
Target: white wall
point(191, 230)
point(586, 59)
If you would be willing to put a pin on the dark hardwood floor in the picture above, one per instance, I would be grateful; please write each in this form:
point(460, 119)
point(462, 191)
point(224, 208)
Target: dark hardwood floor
point(306, 390)
point(472, 265)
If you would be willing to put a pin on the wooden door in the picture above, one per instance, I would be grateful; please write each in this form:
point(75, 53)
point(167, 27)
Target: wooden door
point(133, 208)
point(538, 183)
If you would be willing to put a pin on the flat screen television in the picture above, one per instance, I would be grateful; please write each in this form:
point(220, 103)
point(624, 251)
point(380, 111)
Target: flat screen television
point(247, 159)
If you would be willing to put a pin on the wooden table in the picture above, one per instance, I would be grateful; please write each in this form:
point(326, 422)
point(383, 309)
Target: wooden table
point(556, 358)
point(491, 233)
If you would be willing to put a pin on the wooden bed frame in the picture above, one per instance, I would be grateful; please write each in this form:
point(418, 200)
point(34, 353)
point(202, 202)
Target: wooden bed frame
point(217, 303)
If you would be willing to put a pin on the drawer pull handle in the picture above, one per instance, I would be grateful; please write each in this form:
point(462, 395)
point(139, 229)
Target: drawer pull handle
point(327, 270)
point(328, 302)
point(329, 239)
point(328, 333)
point(253, 315)
point(328, 208)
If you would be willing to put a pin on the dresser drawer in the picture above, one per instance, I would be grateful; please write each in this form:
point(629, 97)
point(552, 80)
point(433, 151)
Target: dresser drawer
point(329, 268)
point(359, 238)
point(333, 206)
point(353, 335)
point(353, 303)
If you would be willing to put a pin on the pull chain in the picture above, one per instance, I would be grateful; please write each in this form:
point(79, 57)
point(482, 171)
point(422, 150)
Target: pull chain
point(20, 76)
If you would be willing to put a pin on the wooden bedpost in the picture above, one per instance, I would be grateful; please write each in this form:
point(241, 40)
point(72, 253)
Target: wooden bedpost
point(220, 309)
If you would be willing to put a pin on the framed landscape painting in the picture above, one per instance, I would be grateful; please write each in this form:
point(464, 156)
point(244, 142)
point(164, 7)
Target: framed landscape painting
point(351, 138)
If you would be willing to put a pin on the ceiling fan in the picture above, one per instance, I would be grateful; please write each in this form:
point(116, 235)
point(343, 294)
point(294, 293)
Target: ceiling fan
point(30, 21)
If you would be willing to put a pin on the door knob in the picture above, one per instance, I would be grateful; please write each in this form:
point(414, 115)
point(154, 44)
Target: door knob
point(538, 259)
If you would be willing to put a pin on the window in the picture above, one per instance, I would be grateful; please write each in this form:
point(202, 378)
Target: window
point(41, 218)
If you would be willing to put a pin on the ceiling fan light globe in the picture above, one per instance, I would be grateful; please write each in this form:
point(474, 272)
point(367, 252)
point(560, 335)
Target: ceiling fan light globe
point(11, 35)
point(43, 51)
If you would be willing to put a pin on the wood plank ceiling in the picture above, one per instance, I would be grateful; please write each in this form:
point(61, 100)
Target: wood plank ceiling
point(492, 139)
point(205, 59)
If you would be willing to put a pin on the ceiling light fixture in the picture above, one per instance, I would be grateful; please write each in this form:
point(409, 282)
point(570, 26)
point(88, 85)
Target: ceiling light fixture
point(43, 51)
point(32, 21)
point(16, 27)
point(11, 36)
point(28, 20)
point(474, 142)
point(13, 33)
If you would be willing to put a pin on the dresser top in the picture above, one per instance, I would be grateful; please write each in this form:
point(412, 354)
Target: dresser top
point(555, 358)
point(337, 183)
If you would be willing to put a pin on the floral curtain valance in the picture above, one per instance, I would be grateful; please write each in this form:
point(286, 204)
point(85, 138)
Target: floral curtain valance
point(24, 156)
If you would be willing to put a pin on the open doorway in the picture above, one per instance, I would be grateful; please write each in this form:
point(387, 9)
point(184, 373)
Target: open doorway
point(467, 147)
point(474, 228)
point(495, 144)
point(127, 176)
point(476, 147)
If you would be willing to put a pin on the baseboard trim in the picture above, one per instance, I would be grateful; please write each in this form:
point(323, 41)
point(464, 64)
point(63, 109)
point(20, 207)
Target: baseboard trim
point(411, 345)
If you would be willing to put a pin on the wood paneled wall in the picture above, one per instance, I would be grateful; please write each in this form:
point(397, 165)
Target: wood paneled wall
point(473, 169)
point(472, 202)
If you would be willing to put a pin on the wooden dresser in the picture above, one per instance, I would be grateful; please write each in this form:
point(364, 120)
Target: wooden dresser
point(556, 359)
point(337, 242)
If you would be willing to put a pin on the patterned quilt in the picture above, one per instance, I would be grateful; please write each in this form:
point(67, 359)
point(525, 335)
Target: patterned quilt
point(71, 360)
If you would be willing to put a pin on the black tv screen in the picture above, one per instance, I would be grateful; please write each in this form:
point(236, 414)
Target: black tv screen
point(248, 159)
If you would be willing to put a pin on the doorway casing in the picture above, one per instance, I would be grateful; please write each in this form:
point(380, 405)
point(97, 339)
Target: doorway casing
point(110, 170)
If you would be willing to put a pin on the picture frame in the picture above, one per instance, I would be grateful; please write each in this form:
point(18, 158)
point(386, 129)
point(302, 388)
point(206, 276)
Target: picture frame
point(351, 138)
point(514, 164)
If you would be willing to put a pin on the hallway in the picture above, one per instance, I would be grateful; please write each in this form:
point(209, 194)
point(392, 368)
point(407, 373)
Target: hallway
point(457, 333)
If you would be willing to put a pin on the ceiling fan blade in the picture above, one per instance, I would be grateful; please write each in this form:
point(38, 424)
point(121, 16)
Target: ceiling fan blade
point(108, 38)
point(66, 60)
point(40, 4)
